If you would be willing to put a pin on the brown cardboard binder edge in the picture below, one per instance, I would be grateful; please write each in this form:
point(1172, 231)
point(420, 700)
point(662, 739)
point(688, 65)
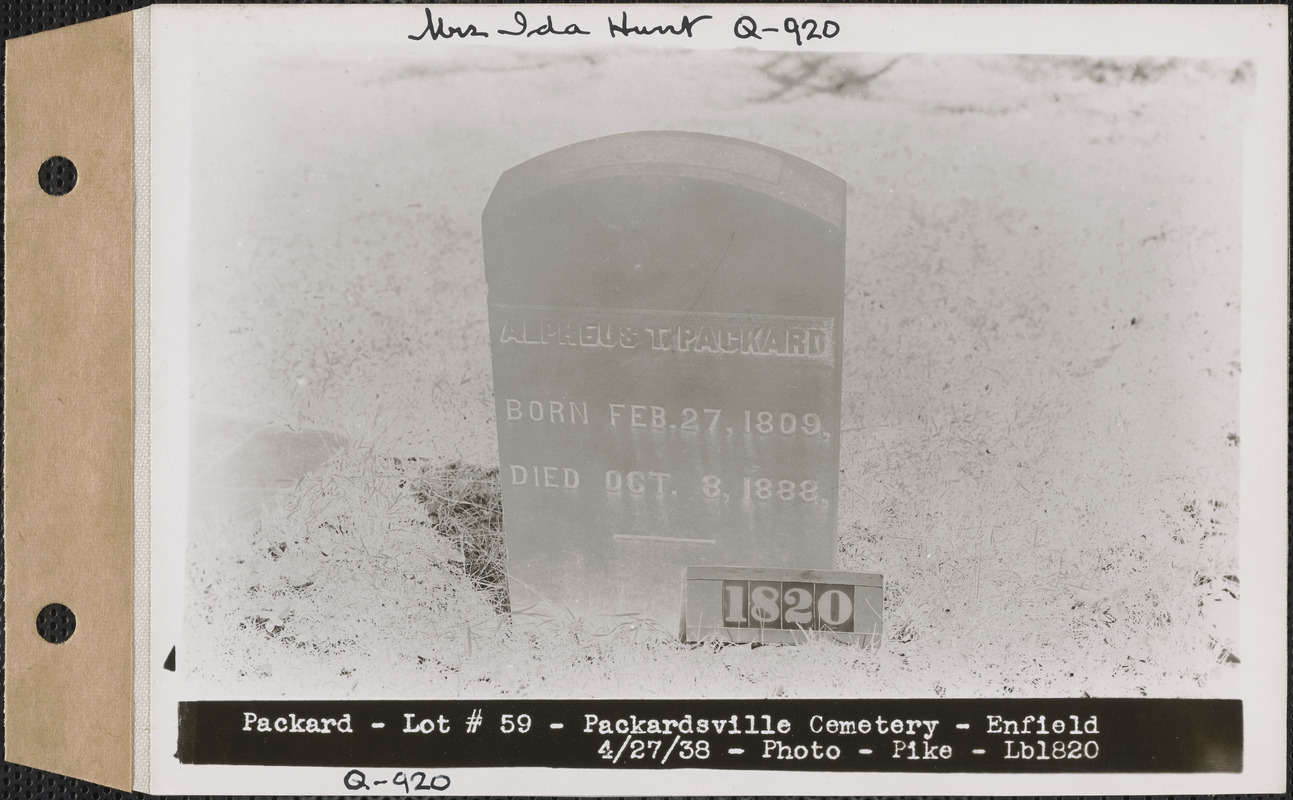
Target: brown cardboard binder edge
point(68, 401)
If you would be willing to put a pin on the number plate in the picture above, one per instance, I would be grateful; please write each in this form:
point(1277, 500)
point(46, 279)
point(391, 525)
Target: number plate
point(755, 604)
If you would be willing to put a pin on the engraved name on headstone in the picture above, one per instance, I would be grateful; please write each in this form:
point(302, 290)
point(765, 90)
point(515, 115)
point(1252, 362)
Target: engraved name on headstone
point(665, 324)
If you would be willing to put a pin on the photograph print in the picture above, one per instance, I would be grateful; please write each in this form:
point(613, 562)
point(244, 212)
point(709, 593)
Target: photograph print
point(628, 372)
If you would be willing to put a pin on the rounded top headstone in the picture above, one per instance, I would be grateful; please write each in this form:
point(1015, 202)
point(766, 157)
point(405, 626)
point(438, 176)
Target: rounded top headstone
point(666, 321)
point(705, 156)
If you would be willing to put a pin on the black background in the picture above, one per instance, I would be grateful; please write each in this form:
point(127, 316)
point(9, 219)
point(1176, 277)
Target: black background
point(1132, 734)
point(20, 19)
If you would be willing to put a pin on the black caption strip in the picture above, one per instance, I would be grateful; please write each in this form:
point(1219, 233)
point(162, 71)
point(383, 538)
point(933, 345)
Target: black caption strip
point(1026, 736)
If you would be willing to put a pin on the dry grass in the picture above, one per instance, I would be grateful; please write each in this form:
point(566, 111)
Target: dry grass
point(381, 575)
point(347, 574)
point(465, 504)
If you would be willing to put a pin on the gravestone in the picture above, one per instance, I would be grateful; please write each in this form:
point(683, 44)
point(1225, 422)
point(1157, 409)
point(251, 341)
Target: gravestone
point(665, 317)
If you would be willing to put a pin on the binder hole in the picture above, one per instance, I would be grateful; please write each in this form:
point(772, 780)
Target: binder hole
point(57, 176)
point(55, 623)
